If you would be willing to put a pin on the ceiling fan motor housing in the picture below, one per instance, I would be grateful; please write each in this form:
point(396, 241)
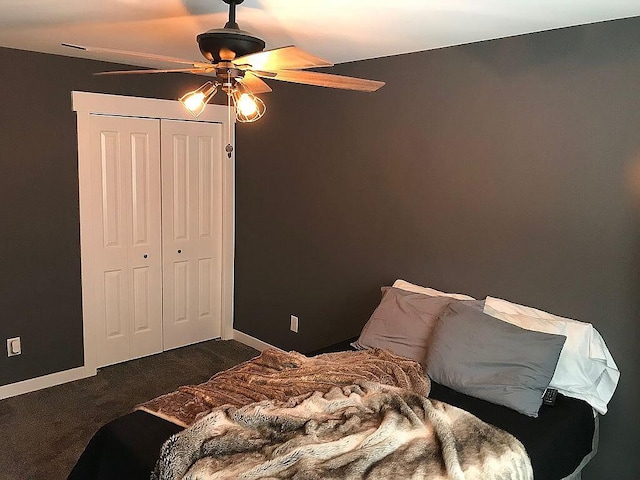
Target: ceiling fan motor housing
point(218, 40)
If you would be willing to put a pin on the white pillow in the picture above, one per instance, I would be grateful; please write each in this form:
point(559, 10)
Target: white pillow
point(585, 369)
point(410, 287)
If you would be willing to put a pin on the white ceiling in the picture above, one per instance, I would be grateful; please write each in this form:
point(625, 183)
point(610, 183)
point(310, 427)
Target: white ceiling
point(338, 30)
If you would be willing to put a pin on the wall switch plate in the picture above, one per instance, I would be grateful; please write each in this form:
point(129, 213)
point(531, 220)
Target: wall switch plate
point(14, 347)
point(294, 323)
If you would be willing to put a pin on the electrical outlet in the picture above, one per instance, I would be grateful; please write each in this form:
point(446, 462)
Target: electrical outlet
point(14, 346)
point(294, 323)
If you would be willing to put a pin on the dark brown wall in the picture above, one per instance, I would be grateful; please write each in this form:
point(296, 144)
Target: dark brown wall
point(40, 295)
point(509, 168)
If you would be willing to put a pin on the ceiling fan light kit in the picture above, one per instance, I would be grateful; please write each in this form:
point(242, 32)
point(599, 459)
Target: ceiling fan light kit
point(196, 100)
point(237, 61)
point(249, 107)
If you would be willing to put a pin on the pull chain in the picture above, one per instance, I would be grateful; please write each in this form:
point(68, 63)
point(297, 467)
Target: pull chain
point(229, 147)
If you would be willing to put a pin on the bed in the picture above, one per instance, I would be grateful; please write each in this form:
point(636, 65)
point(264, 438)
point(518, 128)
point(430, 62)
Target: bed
point(558, 439)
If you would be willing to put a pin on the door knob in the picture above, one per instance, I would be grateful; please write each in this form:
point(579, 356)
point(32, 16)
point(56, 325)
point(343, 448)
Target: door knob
point(145, 255)
point(179, 251)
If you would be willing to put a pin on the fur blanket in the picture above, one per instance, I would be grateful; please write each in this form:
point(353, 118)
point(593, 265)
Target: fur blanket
point(366, 430)
point(278, 375)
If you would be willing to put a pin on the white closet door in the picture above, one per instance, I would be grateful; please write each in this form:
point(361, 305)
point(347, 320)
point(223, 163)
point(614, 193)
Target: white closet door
point(126, 279)
point(192, 231)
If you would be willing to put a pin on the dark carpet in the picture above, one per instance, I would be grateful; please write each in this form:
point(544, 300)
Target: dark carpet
point(43, 433)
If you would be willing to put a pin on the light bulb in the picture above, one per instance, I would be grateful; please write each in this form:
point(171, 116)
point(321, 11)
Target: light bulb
point(249, 108)
point(246, 105)
point(196, 100)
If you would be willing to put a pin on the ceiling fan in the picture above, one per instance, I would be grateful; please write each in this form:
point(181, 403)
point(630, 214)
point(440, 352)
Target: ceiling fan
point(237, 61)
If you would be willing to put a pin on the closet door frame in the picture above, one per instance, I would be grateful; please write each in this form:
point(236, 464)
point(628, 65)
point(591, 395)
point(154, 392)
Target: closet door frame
point(86, 104)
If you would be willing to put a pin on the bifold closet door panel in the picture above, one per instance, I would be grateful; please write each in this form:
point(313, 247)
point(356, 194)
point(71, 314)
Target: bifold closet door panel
point(192, 156)
point(126, 265)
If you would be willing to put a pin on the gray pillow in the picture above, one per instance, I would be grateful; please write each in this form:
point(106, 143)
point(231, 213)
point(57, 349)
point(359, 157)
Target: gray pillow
point(484, 357)
point(403, 322)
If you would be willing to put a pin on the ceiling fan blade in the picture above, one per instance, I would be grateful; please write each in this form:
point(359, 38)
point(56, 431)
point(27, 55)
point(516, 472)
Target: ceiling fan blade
point(281, 58)
point(255, 84)
point(144, 71)
point(326, 80)
point(148, 56)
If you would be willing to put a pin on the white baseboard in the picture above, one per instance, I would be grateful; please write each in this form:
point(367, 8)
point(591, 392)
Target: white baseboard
point(252, 341)
point(45, 381)
point(58, 378)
